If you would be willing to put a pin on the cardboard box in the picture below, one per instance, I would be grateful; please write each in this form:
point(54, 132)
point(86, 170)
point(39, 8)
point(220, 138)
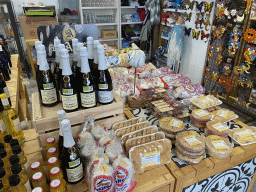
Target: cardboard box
point(29, 25)
point(109, 34)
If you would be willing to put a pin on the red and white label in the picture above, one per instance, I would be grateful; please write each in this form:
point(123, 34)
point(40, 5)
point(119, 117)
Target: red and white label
point(103, 183)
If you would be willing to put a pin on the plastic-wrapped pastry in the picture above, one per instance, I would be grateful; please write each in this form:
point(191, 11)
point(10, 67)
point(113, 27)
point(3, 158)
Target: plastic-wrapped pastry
point(106, 139)
point(223, 115)
point(187, 159)
point(113, 150)
point(123, 174)
point(171, 125)
point(244, 136)
point(206, 102)
point(217, 128)
point(98, 132)
point(122, 131)
point(189, 154)
point(84, 138)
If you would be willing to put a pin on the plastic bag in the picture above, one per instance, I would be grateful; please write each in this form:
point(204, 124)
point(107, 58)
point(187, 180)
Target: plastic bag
point(85, 138)
point(162, 71)
point(126, 90)
point(107, 138)
point(98, 131)
point(113, 150)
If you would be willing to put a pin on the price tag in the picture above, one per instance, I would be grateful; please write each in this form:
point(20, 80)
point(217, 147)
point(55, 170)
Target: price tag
point(220, 127)
point(219, 144)
point(223, 113)
point(150, 159)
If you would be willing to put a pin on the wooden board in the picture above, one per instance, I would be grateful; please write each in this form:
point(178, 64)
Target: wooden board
point(45, 118)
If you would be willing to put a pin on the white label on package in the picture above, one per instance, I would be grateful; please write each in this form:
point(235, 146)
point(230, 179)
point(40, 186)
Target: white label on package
point(150, 159)
point(245, 132)
point(220, 145)
point(220, 127)
point(193, 140)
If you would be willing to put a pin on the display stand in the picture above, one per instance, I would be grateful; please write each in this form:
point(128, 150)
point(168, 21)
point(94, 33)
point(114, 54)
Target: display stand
point(30, 44)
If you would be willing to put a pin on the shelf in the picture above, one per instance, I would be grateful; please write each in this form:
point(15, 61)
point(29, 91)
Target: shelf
point(132, 38)
point(84, 8)
point(104, 24)
point(131, 23)
point(131, 7)
point(168, 25)
point(166, 38)
point(176, 10)
point(108, 40)
point(165, 54)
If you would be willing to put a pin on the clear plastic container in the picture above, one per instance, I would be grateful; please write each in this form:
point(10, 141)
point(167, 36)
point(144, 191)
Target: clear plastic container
point(128, 122)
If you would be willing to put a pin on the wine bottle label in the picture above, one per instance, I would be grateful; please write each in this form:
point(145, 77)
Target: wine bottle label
point(105, 96)
point(5, 102)
point(6, 92)
point(27, 185)
point(49, 96)
point(88, 99)
point(48, 86)
point(87, 89)
point(73, 163)
point(69, 102)
point(103, 86)
point(2, 126)
point(67, 91)
point(16, 123)
point(75, 174)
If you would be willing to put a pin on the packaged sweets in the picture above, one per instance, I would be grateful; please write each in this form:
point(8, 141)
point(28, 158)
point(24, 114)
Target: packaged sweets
point(162, 71)
point(200, 117)
point(113, 150)
point(223, 115)
point(85, 138)
point(153, 94)
point(106, 139)
point(244, 136)
point(188, 154)
point(206, 102)
point(148, 156)
point(188, 159)
point(126, 90)
point(128, 122)
point(171, 125)
point(98, 131)
point(150, 83)
point(218, 147)
point(217, 128)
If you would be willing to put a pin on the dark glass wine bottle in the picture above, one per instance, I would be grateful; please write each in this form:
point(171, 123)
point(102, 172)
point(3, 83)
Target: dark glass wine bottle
point(5, 59)
point(60, 47)
point(87, 86)
point(74, 64)
point(57, 62)
point(46, 82)
point(71, 160)
point(7, 54)
point(96, 59)
point(4, 89)
point(90, 52)
point(68, 85)
point(79, 45)
point(4, 71)
point(104, 81)
point(61, 116)
point(40, 49)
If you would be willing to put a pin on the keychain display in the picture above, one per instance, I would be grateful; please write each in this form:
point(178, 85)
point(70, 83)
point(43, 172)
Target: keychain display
point(206, 21)
point(250, 35)
point(204, 36)
point(196, 34)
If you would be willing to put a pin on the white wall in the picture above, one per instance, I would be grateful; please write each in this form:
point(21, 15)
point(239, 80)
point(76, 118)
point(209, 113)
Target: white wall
point(195, 51)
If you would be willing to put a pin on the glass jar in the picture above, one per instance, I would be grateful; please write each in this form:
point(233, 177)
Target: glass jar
point(56, 186)
point(14, 167)
point(16, 185)
point(50, 142)
point(52, 152)
point(38, 189)
point(53, 162)
point(39, 180)
point(36, 167)
point(56, 173)
point(15, 142)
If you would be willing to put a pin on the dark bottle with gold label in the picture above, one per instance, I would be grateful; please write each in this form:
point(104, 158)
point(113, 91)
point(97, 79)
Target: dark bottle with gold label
point(57, 62)
point(68, 85)
point(71, 159)
point(87, 87)
point(46, 82)
point(75, 61)
point(90, 52)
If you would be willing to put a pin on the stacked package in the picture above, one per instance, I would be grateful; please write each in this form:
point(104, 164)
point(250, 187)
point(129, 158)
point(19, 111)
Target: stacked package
point(200, 117)
point(216, 128)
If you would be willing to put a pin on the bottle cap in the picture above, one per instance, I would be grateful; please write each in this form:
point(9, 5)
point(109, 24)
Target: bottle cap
point(83, 52)
point(1, 162)
point(100, 49)
point(65, 124)
point(1, 146)
point(7, 138)
point(74, 42)
point(52, 161)
point(79, 45)
point(89, 40)
point(14, 142)
point(61, 115)
point(38, 189)
point(37, 43)
point(14, 159)
point(52, 151)
point(16, 168)
point(55, 184)
point(3, 153)
point(16, 149)
point(3, 96)
point(1, 185)
point(37, 176)
point(96, 43)
point(34, 166)
point(50, 140)
point(64, 53)
point(56, 41)
point(55, 171)
point(14, 180)
point(2, 172)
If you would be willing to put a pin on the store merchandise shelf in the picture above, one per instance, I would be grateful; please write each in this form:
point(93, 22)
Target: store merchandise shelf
point(131, 23)
point(104, 24)
point(132, 38)
point(99, 8)
point(131, 7)
point(176, 10)
point(102, 40)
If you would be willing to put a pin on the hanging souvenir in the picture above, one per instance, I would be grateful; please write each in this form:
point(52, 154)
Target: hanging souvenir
point(250, 35)
point(226, 69)
point(219, 59)
point(215, 75)
point(208, 7)
point(164, 18)
point(207, 21)
point(238, 70)
point(218, 32)
point(187, 31)
point(188, 16)
point(196, 34)
point(239, 19)
point(190, 5)
point(199, 6)
point(219, 8)
point(248, 6)
point(210, 53)
point(223, 81)
point(207, 75)
point(177, 4)
point(204, 36)
point(249, 53)
point(219, 49)
point(245, 81)
point(234, 41)
point(200, 19)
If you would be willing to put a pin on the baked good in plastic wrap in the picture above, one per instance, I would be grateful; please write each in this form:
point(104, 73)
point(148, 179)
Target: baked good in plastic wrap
point(218, 147)
point(107, 138)
point(188, 159)
point(118, 71)
point(141, 69)
point(102, 177)
point(117, 61)
point(85, 138)
point(143, 140)
point(223, 115)
point(171, 77)
point(190, 141)
point(128, 122)
point(142, 132)
point(153, 94)
point(162, 71)
point(113, 150)
point(120, 132)
point(200, 117)
point(120, 80)
point(148, 156)
point(171, 125)
point(217, 128)
point(126, 90)
point(244, 136)
point(206, 102)
point(123, 174)
point(188, 91)
point(98, 131)
point(188, 154)
point(150, 83)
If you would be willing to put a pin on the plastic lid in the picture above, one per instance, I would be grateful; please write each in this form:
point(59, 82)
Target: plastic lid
point(89, 40)
point(1, 146)
point(52, 151)
point(65, 124)
point(3, 96)
point(7, 138)
point(16, 168)
point(100, 49)
point(34, 166)
point(1, 162)
point(64, 53)
point(61, 115)
point(83, 52)
point(38, 189)
point(14, 180)
point(55, 171)
point(3, 153)
point(52, 161)
point(14, 159)
point(14, 142)
point(55, 184)
point(1, 185)
point(16, 149)
point(2, 172)
point(50, 140)
point(37, 176)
